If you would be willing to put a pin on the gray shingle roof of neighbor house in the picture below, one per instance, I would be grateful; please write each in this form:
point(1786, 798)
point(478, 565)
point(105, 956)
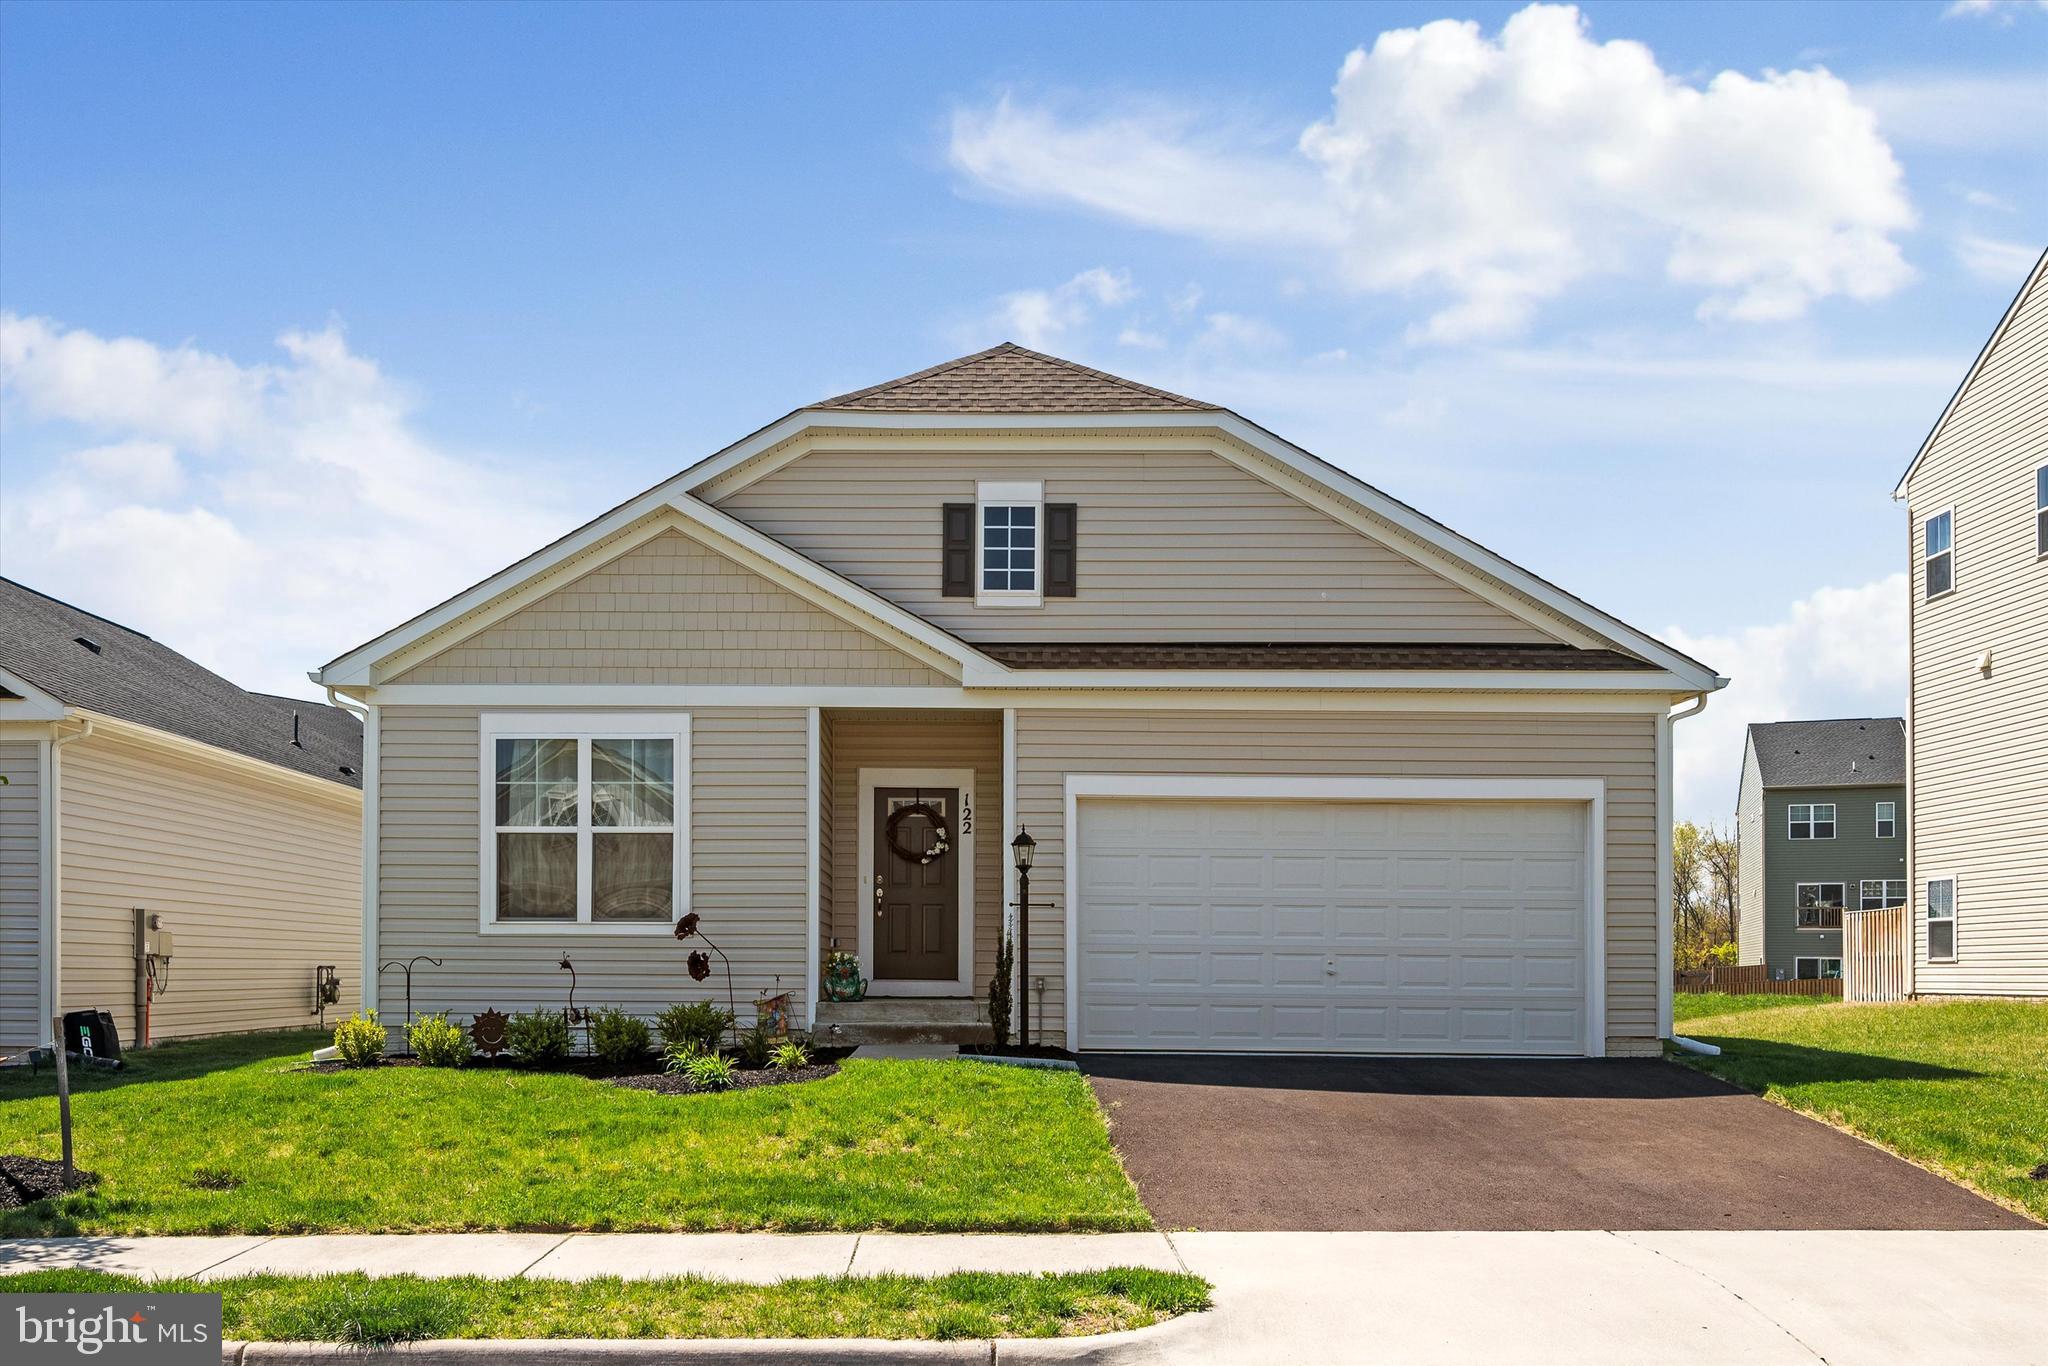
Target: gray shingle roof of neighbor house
point(89, 662)
point(1311, 655)
point(1858, 751)
point(1010, 379)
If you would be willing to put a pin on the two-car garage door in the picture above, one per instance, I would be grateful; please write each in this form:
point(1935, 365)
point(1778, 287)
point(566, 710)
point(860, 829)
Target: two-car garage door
point(1332, 926)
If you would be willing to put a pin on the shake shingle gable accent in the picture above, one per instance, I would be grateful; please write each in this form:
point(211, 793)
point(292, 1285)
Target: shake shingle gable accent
point(1010, 379)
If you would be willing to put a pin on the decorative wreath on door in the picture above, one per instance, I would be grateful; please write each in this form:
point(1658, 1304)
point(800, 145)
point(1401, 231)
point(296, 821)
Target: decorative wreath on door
point(942, 838)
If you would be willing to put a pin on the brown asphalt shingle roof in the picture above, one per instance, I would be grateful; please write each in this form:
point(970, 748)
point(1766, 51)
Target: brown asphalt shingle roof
point(1311, 655)
point(1010, 379)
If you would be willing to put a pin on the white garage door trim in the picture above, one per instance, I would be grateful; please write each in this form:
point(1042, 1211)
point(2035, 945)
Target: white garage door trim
point(1227, 787)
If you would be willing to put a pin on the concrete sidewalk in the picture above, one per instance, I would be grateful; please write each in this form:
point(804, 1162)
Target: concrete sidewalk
point(1573, 1299)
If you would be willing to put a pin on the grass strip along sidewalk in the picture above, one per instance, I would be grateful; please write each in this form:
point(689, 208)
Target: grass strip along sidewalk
point(224, 1136)
point(375, 1311)
point(1959, 1087)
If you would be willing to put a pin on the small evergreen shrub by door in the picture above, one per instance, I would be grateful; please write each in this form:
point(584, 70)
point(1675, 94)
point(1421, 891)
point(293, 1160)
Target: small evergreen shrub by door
point(617, 1037)
point(360, 1040)
point(539, 1037)
point(436, 1042)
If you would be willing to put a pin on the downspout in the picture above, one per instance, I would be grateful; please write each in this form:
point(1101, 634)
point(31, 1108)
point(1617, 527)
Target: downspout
point(54, 949)
point(367, 714)
point(1664, 872)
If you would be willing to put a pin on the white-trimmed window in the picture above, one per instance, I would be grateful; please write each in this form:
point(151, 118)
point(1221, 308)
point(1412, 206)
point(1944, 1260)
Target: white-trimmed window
point(1009, 544)
point(1810, 821)
point(1941, 920)
point(1938, 553)
point(1808, 969)
point(1874, 893)
point(1819, 904)
point(586, 822)
point(1887, 820)
point(2041, 511)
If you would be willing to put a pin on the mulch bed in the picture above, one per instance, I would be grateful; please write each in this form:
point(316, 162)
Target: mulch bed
point(25, 1180)
point(1014, 1050)
point(675, 1084)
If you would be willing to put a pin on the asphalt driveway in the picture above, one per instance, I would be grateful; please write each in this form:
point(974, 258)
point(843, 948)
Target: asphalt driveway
point(1323, 1144)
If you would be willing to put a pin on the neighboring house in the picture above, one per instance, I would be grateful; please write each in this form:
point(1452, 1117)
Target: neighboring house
point(1821, 824)
point(137, 781)
point(1977, 721)
point(1305, 769)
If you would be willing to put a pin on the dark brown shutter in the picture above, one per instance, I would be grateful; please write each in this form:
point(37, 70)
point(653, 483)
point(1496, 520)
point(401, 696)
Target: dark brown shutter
point(957, 559)
point(1061, 520)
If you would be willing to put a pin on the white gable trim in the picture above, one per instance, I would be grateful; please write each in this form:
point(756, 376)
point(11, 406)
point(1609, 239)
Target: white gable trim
point(1970, 376)
point(630, 525)
point(35, 704)
point(1346, 499)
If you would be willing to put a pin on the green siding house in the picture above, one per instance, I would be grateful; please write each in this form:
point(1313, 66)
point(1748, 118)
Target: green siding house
point(1821, 821)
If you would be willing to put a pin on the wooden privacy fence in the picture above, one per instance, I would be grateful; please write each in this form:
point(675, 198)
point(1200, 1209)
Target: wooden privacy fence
point(1874, 944)
point(1753, 978)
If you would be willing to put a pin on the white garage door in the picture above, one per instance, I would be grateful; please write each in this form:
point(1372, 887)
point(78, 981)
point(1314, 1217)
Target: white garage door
point(1336, 927)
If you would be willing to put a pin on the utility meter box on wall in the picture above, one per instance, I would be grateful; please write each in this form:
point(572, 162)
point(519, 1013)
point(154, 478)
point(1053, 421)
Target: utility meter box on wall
point(152, 939)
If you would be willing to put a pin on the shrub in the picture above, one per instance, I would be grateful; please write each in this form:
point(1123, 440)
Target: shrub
point(436, 1042)
point(698, 1023)
point(539, 1036)
point(709, 1072)
point(360, 1040)
point(755, 1045)
point(617, 1037)
point(999, 991)
point(790, 1055)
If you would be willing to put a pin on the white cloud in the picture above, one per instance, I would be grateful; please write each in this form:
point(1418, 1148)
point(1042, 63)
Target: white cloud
point(1140, 338)
point(1959, 111)
point(1838, 652)
point(1236, 333)
point(1497, 172)
point(259, 517)
point(2001, 12)
point(2000, 262)
point(1038, 318)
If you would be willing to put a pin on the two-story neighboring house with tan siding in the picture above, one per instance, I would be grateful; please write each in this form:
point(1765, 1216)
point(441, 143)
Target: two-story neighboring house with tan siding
point(1976, 496)
point(176, 851)
point(1305, 770)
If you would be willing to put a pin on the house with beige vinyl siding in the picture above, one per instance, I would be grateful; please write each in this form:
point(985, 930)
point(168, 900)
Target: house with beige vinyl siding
point(1976, 497)
point(174, 850)
point(1306, 770)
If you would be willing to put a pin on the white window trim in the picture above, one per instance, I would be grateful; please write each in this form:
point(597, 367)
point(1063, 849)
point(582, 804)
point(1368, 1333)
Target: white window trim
point(1799, 887)
point(1011, 493)
point(1879, 820)
point(961, 780)
point(1954, 918)
point(1921, 587)
point(1905, 890)
point(1592, 792)
point(1834, 958)
point(1813, 819)
point(641, 725)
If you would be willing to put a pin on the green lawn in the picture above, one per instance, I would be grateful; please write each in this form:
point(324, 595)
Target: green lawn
point(220, 1136)
point(1960, 1087)
point(1693, 1005)
point(371, 1311)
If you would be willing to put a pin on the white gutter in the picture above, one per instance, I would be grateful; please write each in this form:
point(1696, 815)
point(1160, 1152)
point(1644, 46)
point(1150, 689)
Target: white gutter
point(53, 947)
point(367, 714)
point(1664, 871)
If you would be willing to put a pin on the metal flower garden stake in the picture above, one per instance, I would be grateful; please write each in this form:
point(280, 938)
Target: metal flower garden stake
point(700, 965)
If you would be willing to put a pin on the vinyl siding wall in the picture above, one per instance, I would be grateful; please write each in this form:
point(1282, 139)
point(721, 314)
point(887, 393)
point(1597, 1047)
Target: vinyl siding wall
point(1978, 742)
point(21, 893)
point(672, 611)
point(259, 880)
point(747, 860)
point(1621, 750)
point(1175, 544)
point(1854, 854)
point(894, 739)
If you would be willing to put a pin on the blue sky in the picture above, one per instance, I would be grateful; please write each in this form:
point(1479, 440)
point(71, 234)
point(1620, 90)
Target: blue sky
point(407, 291)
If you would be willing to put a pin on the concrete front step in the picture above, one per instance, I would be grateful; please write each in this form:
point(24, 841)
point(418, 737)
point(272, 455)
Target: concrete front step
point(843, 1035)
point(901, 1010)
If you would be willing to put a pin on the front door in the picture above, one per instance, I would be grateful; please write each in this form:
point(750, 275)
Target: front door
point(917, 884)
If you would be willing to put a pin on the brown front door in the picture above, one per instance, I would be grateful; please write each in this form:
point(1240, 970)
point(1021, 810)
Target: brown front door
point(916, 903)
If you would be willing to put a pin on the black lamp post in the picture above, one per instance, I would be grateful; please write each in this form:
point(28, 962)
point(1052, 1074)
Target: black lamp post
point(1021, 850)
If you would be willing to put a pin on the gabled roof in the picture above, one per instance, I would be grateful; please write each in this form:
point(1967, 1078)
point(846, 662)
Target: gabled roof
point(1858, 751)
point(91, 663)
point(2033, 282)
point(1010, 379)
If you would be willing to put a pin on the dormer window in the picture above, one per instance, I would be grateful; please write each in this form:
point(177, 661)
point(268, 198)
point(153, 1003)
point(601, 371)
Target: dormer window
point(1009, 543)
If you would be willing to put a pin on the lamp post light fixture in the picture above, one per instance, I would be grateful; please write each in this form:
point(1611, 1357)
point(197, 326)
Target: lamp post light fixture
point(1021, 850)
